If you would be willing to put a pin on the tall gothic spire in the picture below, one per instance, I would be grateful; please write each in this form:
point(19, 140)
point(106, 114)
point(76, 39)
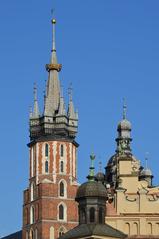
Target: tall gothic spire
point(52, 99)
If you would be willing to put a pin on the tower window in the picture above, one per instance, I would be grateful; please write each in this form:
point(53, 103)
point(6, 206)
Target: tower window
point(62, 189)
point(46, 150)
point(32, 215)
point(61, 166)
point(83, 215)
point(62, 150)
point(46, 167)
point(61, 212)
point(92, 214)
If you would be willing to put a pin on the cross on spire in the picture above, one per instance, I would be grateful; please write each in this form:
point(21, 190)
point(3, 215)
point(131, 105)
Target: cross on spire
point(124, 108)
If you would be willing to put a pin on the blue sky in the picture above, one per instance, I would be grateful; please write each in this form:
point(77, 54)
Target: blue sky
point(109, 50)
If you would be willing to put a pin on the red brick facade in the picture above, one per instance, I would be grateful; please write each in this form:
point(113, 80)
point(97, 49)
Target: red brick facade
point(49, 206)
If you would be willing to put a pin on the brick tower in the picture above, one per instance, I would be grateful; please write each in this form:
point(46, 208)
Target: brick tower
point(49, 208)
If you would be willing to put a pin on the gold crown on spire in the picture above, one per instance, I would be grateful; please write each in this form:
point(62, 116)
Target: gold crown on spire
point(53, 21)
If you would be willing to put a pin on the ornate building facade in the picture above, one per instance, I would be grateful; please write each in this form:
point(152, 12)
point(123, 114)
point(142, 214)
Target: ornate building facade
point(49, 208)
point(133, 201)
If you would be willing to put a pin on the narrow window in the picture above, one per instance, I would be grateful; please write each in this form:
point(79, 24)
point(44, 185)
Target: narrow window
point(32, 215)
point(83, 215)
point(61, 150)
point(46, 150)
point(61, 166)
point(92, 214)
point(62, 189)
point(100, 215)
point(32, 234)
point(46, 167)
point(61, 232)
point(61, 212)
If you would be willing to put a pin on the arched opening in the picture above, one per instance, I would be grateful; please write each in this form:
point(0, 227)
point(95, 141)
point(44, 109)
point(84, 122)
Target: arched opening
point(62, 231)
point(32, 215)
point(61, 212)
point(127, 228)
point(62, 189)
point(101, 212)
point(62, 150)
point(32, 234)
point(32, 191)
point(46, 167)
point(46, 150)
point(52, 235)
point(92, 214)
point(149, 228)
point(36, 233)
point(135, 229)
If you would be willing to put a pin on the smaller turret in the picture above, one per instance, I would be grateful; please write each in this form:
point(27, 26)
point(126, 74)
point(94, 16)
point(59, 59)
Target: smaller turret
point(146, 174)
point(124, 135)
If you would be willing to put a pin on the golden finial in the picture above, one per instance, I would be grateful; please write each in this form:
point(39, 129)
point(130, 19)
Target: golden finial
point(53, 21)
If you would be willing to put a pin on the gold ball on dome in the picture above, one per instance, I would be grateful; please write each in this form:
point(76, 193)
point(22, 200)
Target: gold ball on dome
point(54, 21)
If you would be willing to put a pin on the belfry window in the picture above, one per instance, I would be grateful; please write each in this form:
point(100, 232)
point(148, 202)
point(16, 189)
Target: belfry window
point(46, 150)
point(62, 188)
point(46, 167)
point(92, 214)
point(61, 212)
point(32, 215)
point(62, 150)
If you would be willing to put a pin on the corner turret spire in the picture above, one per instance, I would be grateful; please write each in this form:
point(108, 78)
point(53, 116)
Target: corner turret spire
point(35, 113)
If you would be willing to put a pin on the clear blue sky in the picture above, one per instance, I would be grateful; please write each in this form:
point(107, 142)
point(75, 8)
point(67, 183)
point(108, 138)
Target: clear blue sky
point(109, 50)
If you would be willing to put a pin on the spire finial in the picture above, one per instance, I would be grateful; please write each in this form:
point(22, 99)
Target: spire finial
point(100, 166)
point(35, 92)
point(146, 160)
point(70, 91)
point(91, 169)
point(124, 108)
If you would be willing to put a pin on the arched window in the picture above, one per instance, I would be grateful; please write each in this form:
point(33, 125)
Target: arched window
point(52, 233)
point(32, 191)
point(61, 166)
point(37, 211)
point(149, 228)
point(100, 215)
point(62, 231)
point(36, 233)
point(32, 215)
point(135, 229)
point(127, 228)
point(62, 189)
point(61, 150)
point(46, 150)
point(32, 234)
point(61, 212)
point(92, 214)
point(46, 167)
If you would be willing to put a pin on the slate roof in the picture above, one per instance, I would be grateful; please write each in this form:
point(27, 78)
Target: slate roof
point(86, 230)
point(16, 235)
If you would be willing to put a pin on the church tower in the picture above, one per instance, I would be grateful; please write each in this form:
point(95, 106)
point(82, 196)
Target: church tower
point(49, 208)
